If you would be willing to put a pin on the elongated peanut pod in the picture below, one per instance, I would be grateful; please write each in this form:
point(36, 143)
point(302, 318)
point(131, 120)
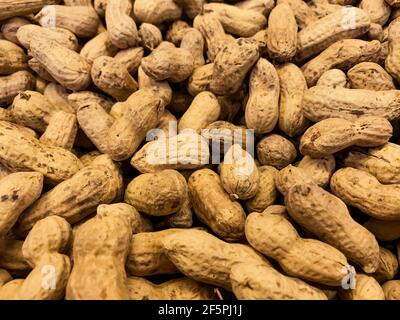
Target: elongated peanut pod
point(292, 88)
point(328, 218)
point(61, 131)
point(12, 8)
point(352, 51)
point(282, 33)
point(214, 207)
point(252, 281)
point(322, 102)
point(262, 108)
point(203, 111)
point(307, 259)
point(66, 66)
point(22, 152)
point(120, 25)
point(17, 191)
point(13, 84)
point(215, 258)
point(347, 23)
point(362, 190)
point(332, 135)
point(98, 46)
point(81, 20)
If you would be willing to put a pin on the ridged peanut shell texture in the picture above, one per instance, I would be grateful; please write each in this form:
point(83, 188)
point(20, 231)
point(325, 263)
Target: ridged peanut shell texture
point(214, 257)
point(307, 259)
point(252, 281)
point(328, 218)
point(362, 190)
point(157, 194)
point(214, 207)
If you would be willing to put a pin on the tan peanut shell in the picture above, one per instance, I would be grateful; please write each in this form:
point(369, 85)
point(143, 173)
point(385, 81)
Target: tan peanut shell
point(239, 174)
point(28, 33)
point(352, 51)
point(223, 134)
point(362, 190)
point(32, 109)
point(392, 58)
point(146, 256)
point(388, 266)
point(23, 152)
point(181, 152)
point(130, 58)
point(191, 7)
point(12, 8)
point(200, 79)
point(366, 288)
point(214, 257)
point(383, 162)
point(251, 281)
point(170, 63)
point(392, 290)
point(139, 222)
point(99, 264)
point(157, 11)
point(17, 192)
point(113, 78)
point(13, 84)
point(292, 88)
point(267, 192)
point(290, 176)
point(176, 31)
point(121, 27)
point(61, 131)
point(262, 108)
point(347, 23)
point(213, 32)
point(12, 259)
point(81, 20)
point(78, 99)
point(66, 66)
point(203, 111)
point(98, 46)
point(240, 22)
point(43, 249)
point(319, 170)
point(303, 13)
point(378, 10)
point(332, 135)
point(213, 206)
point(384, 230)
point(307, 259)
point(96, 131)
point(140, 113)
point(12, 58)
point(11, 26)
point(150, 36)
point(193, 41)
point(176, 289)
point(324, 102)
point(370, 75)
point(282, 33)
point(77, 197)
point(328, 218)
point(157, 194)
point(58, 96)
point(275, 150)
point(232, 64)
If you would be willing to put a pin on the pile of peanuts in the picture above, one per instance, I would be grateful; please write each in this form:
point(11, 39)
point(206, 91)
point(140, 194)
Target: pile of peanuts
point(199, 150)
